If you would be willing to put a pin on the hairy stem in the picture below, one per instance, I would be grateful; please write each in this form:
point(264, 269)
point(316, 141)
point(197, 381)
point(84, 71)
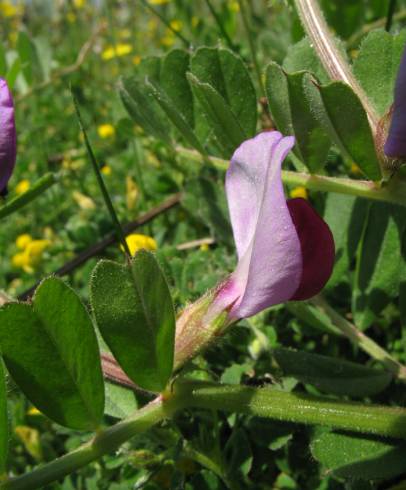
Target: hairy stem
point(334, 63)
point(394, 191)
point(261, 402)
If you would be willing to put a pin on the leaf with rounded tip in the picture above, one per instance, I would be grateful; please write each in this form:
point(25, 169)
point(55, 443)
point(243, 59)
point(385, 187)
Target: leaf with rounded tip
point(135, 315)
point(176, 117)
point(227, 74)
point(359, 456)
point(343, 117)
point(51, 351)
point(173, 82)
point(4, 435)
point(142, 107)
point(226, 127)
point(292, 114)
point(377, 64)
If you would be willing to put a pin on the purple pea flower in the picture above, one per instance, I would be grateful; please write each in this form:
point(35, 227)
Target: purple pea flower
point(8, 138)
point(285, 249)
point(395, 145)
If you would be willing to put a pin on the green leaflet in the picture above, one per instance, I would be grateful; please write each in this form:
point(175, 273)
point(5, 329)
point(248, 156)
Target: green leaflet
point(134, 312)
point(332, 375)
point(292, 114)
point(51, 351)
point(359, 457)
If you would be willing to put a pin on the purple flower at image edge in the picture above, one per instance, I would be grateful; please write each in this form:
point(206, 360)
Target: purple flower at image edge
point(285, 249)
point(8, 137)
point(395, 145)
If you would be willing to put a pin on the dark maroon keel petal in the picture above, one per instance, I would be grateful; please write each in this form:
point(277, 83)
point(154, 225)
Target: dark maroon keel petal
point(317, 246)
point(395, 145)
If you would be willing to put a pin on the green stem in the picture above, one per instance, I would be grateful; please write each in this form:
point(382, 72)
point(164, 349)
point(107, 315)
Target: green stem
point(260, 402)
point(166, 23)
point(300, 408)
point(389, 16)
point(103, 443)
point(38, 188)
point(324, 43)
point(393, 192)
point(220, 25)
point(251, 43)
point(102, 185)
point(361, 340)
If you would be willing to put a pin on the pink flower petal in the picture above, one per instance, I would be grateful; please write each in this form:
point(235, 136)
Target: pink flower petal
point(8, 138)
point(269, 249)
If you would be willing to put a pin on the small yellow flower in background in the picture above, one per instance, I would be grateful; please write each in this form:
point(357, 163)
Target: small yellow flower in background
point(204, 247)
point(34, 412)
point(132, 193)
point(355, 170)
point(31, 440)
point(84, 202)
point(31, 255)
point(79, 3)
point(159, 2)
point(234, 6)
point(106, 170)
point(299, 191)
point(176, 25)
point(137, 59)
point(168, 40)
point(22, 186)
point(138, 242)
point(121, 49)
point(9, 9)
point(23, 240)
point(71, 17)
point(106, 131)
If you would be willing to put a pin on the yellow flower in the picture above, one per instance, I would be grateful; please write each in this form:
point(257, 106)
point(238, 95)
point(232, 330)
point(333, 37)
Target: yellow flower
point(106, 131)
point(159, 2)
point(31, 440)
point(176, 25)
point(121, 49)
point(84, 202)
point(33, 411)
point(137, 59)
point(106, 170)
point(20, 260)
point(79, 3)
point(8, 9)
point(71, 17)
point(23, 240)
point(204, 247)
point(234, 6)
point(299, 191)
point(137, 242)
point(31, 256)
point(355, 170)
point(168, 40)
point(131, 193)
point(22, 186)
